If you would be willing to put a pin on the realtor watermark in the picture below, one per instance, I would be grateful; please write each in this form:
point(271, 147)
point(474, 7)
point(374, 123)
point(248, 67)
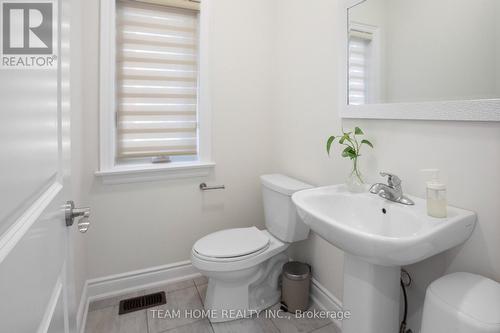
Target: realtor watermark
point(238, 314)
point(29, 34)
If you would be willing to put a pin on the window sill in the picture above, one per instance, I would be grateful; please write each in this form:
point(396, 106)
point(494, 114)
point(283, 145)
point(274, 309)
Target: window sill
point(147, 173)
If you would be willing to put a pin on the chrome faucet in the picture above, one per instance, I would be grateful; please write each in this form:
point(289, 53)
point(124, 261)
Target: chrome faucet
point(392, 191)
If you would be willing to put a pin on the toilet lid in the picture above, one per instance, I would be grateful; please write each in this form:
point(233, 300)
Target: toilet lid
point(470, 294)
point(232, 243)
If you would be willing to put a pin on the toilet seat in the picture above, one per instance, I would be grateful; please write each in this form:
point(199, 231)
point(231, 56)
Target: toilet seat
point(210, 264)
point(231, 244)
point(231, 259)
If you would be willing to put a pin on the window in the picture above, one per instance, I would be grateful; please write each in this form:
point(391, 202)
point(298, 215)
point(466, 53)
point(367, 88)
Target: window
point(364, 64)
point(152, 105)
point(157, 81)
point(358, 49)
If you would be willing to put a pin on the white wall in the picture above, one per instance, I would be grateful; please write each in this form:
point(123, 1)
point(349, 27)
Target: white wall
point(141, 225)
point(306, 112)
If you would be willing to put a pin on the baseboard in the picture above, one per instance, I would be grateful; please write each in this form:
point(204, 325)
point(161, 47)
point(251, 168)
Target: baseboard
point(325, 300)
point(124, 283)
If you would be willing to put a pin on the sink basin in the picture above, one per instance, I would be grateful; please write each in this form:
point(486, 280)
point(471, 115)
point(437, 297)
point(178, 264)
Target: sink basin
point(380, 231)
point(378, 237)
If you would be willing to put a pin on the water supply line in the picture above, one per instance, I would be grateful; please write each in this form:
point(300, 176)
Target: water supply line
point(405, 282)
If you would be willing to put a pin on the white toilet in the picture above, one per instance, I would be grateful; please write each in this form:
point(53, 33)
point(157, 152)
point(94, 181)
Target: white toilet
point(462, 303)
point(243, 265)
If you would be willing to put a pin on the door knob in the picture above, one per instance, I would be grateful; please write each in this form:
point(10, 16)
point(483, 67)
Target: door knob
point(82, 214)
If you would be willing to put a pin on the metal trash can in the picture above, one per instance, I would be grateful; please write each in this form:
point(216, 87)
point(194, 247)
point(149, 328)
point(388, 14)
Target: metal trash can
point(295, 285)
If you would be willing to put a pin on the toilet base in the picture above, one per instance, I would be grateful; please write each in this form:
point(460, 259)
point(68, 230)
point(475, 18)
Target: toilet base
point(240, 294)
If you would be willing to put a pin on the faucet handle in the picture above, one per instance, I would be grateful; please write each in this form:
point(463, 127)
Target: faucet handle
point(392, 180)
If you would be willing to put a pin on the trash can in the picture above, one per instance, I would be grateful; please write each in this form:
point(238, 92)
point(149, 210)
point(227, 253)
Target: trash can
point(295, 284)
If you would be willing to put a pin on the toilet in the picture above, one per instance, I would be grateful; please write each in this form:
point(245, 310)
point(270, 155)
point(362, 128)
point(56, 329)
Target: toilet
point(462, 303)
point(243, 265)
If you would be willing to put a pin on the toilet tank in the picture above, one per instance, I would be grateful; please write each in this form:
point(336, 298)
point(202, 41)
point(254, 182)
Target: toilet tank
point(281, 216)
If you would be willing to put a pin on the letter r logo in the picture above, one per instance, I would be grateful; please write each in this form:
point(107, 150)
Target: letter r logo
point(27, 28)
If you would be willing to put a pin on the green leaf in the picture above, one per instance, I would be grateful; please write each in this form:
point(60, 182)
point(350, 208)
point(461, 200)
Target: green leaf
point(343, 138)
point(349, 152)
point(366, 142)
point(358, 131)
point(329, 144)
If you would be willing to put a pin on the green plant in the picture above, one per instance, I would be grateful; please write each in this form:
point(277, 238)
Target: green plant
point(352, 148)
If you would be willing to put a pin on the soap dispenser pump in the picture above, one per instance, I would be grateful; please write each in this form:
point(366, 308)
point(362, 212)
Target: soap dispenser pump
point(436, 195)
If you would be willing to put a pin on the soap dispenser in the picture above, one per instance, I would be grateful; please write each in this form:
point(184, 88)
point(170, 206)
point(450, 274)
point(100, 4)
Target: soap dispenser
point(436, 195)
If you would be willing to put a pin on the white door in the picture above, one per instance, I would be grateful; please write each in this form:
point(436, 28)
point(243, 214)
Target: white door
point(34, 172)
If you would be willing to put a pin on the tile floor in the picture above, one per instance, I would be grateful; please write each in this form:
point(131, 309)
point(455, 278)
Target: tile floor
point(189, 294)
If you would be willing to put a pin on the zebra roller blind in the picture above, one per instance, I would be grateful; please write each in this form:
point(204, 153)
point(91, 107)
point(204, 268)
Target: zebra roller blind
point(358, 62)
point(157, 80)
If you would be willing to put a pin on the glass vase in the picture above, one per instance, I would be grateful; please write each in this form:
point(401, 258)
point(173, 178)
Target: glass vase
point(355, 182)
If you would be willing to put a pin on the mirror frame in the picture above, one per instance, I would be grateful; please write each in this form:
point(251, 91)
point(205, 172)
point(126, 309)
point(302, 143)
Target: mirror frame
point(459, 110)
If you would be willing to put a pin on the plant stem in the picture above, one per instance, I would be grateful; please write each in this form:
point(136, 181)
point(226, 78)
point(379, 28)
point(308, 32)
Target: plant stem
point(357, 146)
point(355, 167)
point(356, 172)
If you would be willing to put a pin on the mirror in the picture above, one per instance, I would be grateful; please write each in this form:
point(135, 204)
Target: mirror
point(413, 51)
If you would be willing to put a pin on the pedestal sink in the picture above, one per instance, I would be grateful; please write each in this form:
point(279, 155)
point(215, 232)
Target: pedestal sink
point(378, 237)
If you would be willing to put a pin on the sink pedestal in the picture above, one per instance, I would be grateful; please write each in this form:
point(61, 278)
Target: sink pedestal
point(372, 295)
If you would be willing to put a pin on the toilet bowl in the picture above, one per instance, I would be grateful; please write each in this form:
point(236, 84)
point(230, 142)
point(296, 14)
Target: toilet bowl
point(462, 303)
point(243, 265)
point(243, 285)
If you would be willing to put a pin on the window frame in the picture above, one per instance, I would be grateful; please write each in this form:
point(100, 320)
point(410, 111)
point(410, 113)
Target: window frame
point(374, 63)
point(113, 172)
